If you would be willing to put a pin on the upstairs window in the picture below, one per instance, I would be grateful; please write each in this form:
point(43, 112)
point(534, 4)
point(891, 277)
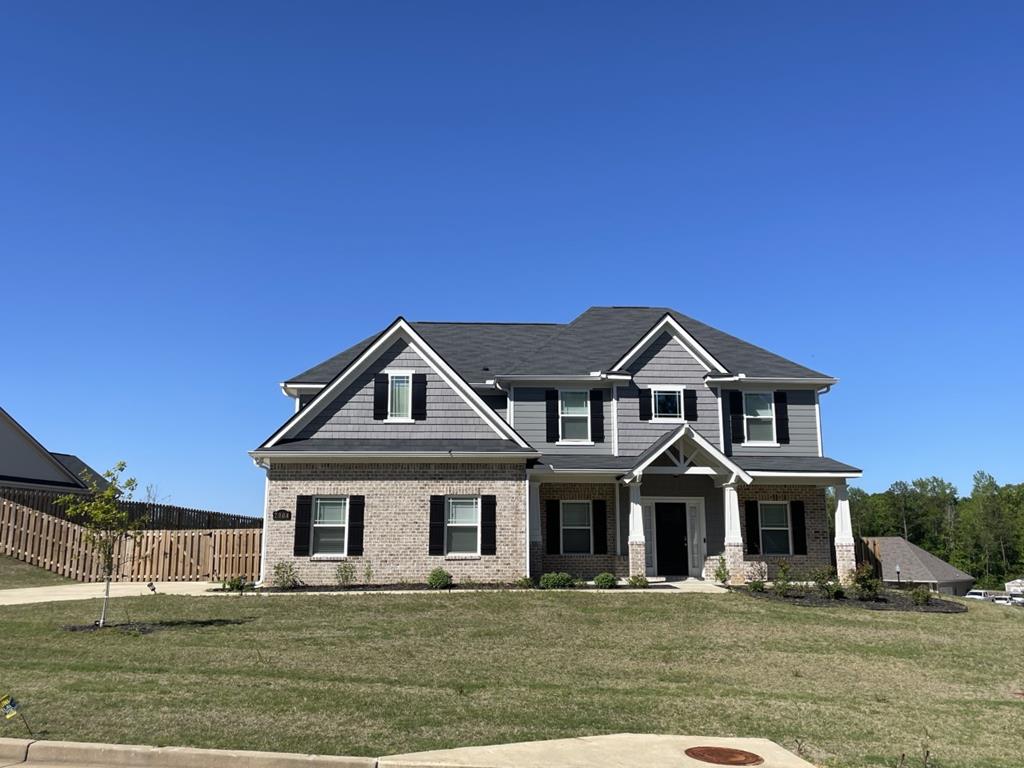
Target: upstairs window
point(775, 528)
point(759, 417)
point(574, 416)
point(330, 520)
point(668, 403)
point(400, 396)
point(462, 526)
point(576, 528)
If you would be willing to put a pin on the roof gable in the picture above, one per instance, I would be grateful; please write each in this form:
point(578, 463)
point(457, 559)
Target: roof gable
point(24, 460)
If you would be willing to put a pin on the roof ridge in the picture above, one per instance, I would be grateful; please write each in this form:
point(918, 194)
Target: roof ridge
point(476, 322)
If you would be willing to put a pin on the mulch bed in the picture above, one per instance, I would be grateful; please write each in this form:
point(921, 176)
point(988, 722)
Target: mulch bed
point(888, 600)
point(386, 587)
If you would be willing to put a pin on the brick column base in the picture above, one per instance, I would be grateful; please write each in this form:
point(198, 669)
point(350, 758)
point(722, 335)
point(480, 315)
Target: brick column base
point(846, 562)
point(637, 558)
point(734, 562)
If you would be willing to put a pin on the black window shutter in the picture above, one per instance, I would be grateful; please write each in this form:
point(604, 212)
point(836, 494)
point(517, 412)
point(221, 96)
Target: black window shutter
point(781, 417)
point(356, 507)
point(436, 546)
point(798, 527)
point(553, 510)
point(753, 537)
point(597, 415)
point(380, 397)
point(646, 404)
point(690, 404)
point(736, 416)
point(488, 525)
point(419, 396)
point(551, 414)
point(599, 511)
point(303, 517)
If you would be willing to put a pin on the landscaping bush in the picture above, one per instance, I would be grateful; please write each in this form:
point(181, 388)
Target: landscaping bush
point(827, 583)
point(639, 582)
point(345, 574)
point(756, 585)
point(865, 585)
point(439, 578)
point(782, 584)
point(921, 595)
point(557, 581)
point(285, 576)
point(605, 581)
point(722, 572)
point(524, 582)
point(235, 584)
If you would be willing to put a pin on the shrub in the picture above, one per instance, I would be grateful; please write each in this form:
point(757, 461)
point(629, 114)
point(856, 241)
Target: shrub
point(285, 576)
point(865, 585)
point(782, 583)
point(755, 585)
point(345, 574)
point(439, 578)
point(468, 582)
point(235, 584)
point(639, 581)
point(524, 582)
point(921, 595)
point(605, 581)
point(827, 583)
point(722, 572)
point(557, 581)
point(368, 574)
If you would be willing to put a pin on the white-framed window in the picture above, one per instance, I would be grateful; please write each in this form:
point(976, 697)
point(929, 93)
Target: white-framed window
point(577, 530)
point(399, 395)
point(775, 534)
point(759, 417)
point(667, 403)
point(574, 416)
point(330, 526)
point(462, 525)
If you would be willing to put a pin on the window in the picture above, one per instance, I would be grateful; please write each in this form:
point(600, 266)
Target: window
point(400, 396)
point(576, 528)
point(759, 417)
point(775, 527)
point(574, 416)
point(330, 520)
point(462, 526)
point(668, 403)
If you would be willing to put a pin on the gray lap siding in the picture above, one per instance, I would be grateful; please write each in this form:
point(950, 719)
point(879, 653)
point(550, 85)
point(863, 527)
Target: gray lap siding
point(397, 518)
point(584, 566)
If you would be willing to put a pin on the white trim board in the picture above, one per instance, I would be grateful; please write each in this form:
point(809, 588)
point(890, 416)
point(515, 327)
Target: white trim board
point(681, 335)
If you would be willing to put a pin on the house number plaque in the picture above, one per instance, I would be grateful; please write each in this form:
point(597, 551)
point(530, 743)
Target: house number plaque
point(282, 514)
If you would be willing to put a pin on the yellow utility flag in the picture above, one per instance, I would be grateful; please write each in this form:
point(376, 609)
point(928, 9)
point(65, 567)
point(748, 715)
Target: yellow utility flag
point(9, 707)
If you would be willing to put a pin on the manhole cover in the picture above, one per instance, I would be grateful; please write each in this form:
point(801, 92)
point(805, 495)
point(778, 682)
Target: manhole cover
point(724, 756)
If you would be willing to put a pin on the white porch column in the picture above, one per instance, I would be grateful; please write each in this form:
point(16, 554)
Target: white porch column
point(637, 543)
point(846, 555)
point(733, 535)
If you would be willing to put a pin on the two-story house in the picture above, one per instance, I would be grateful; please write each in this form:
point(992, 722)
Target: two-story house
point(634, 440)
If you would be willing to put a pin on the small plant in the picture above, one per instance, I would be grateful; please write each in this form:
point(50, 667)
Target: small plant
point(557, 581)
point(285, 575)
point(782, 583)
point(827, 583)
point(468, 582)
point(345, 574)
point(638, 581)
point(722, 571)
point(756, 585)
point(235, 584)
point(605, 581)
point(865, 585)
point(368, 574)
point(921, 595)
point(524, 582)
point(439, 578)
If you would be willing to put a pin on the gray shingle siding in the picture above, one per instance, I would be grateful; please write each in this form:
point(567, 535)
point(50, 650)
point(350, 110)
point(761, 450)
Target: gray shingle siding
point(351, 413)
point(530, 421)
point(803, 428)
point(663, 362)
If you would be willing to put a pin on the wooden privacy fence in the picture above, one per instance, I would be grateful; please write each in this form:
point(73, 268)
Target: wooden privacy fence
point(59, 546)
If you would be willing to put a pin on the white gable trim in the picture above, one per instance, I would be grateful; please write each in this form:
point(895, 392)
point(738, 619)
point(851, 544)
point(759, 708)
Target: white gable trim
point(689, 432)
point(35, 445)
point(681, 335)
point(399, 330)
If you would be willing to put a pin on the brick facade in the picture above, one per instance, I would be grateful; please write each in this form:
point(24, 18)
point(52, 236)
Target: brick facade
point(819, 542)
point(396, 524)
point(585, 566)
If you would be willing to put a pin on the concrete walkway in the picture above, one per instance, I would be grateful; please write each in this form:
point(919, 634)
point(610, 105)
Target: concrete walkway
point(76, 591)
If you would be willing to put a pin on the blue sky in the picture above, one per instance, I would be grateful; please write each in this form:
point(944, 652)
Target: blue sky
point(198, 200)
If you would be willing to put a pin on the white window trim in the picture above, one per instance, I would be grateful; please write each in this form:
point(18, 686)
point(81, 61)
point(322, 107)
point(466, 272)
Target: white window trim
point(479, 527)
point(569, 441)
point(562, 526)
point(313, 525)
point(655, 389)
point(774, 442)
point(392, 374)
point(789, 529)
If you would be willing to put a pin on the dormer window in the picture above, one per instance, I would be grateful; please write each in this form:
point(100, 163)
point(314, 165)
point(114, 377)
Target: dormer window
point(759, 417)
point(399, 395)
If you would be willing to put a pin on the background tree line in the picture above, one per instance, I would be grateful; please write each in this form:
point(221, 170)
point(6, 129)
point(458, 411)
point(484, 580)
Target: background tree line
point(982, 534)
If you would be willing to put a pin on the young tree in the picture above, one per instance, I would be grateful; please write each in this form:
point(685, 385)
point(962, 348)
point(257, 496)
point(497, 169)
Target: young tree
point(106, 519)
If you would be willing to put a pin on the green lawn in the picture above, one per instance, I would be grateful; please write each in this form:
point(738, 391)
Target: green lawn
point(378, 674)
point(14, 574)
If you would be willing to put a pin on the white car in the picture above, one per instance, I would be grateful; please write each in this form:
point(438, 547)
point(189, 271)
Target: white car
point(1002, 600)
point(980, 594)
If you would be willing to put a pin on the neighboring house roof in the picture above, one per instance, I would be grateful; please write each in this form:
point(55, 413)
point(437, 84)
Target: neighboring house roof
point(396, 446)
point(24, 460)
point(76, 466)
point(593, 341)
point(916, 564)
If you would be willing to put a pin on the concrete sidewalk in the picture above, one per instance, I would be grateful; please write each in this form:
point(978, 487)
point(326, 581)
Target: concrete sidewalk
point(76, 591)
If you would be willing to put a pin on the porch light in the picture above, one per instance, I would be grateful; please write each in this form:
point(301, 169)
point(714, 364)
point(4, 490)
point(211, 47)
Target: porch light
point(897, 574)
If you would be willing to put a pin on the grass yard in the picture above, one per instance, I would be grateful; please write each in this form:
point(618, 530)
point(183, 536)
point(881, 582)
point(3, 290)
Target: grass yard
point(15, 574)
point(379, 674)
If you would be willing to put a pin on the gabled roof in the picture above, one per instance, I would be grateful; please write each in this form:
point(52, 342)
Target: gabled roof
point(594, 341)
point(76, 466)
point(24, 460)
point(686, 433)
point(916, 564)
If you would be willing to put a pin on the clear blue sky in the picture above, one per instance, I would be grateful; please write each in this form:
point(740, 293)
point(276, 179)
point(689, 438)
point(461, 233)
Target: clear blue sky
point(198, 200)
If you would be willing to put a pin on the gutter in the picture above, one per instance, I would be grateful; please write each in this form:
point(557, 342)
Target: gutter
point(821, 381)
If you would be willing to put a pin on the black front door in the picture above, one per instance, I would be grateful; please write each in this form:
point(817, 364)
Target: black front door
point(670, 524)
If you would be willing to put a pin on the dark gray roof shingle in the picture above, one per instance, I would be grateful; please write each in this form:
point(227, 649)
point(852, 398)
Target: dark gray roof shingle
point(792, 464)
point(76, 467)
